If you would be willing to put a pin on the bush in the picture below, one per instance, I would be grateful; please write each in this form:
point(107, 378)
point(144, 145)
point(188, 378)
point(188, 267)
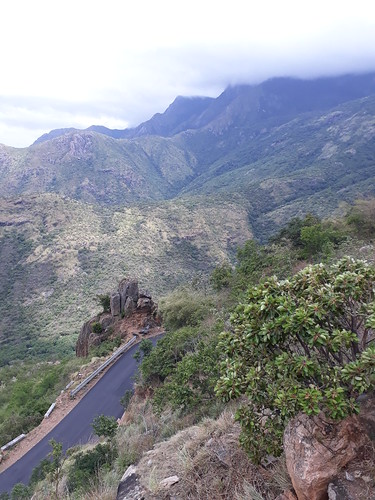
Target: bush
point(221, 276)
point(184, 308)
point(125, 400)
point(192, 382)
point(361, 217)
point(105, 301)
point(40, 472)
point(104, 426)
point(300, 345)
point(96, 327)
point(20, 492)
point(86, 466)
point(167, 353)
point(145, 348)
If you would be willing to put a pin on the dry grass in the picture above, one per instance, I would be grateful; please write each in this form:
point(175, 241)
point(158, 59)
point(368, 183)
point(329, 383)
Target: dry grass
point(207, 459)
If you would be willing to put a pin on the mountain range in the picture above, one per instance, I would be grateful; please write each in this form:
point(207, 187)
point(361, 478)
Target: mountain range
point(171, 198)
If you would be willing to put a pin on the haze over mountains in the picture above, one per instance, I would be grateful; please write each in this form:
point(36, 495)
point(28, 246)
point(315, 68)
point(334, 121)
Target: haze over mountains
point(172, 197)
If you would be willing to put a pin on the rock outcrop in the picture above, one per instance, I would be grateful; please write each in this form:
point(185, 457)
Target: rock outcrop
point(317, 449)
point(129, 487)
point(131, 312)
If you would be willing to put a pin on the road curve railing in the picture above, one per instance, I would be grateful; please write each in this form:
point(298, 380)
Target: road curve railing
point(103, 366)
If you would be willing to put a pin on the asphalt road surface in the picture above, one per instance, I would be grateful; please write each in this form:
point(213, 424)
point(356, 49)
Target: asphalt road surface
point(75, 428)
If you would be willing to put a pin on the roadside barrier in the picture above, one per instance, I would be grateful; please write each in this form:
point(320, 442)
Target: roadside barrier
point(101, 367)
point(50, 409)
point(13, 442)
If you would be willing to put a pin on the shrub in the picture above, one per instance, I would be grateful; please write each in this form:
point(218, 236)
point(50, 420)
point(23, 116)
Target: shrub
point(125, 400)
point(167, 353)
point(40, 472)
point(145, 348)
point(221, 276)
point(96, 327)
point(86, 466)
point(361, 217)
point(105, 301)
point(193, 380)
point(300, 345)
point(20, 492)
point(184, 308)
point(104, 426)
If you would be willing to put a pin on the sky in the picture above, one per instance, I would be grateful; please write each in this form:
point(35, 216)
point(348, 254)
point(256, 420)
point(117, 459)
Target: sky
point(117, 62)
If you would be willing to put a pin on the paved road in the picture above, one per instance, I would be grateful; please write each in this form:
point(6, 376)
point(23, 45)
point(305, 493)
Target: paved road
point(75, 428)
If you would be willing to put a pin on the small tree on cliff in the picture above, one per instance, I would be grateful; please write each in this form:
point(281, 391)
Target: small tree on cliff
point(304, 344)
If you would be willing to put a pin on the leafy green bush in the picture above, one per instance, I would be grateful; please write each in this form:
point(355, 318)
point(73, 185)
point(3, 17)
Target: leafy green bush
point(96, 327)
point(145, 348)
point(361, 217)
point(84, 470)
point(126, 398)
point(191, 384)
point(20, 492)
point(105, 301)
point(221, 276)
point(167, 353)
point(104, 426)
point(300, 345)
point(40, 472)
point(255, 262)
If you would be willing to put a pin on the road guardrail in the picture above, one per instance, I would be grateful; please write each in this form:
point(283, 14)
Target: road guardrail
point(13, 442)
point(101, 367)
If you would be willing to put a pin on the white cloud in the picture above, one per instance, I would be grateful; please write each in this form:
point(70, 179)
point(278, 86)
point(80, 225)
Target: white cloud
point(121, 62)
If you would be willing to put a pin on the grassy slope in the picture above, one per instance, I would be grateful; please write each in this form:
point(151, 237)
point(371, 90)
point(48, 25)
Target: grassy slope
point(58, 254)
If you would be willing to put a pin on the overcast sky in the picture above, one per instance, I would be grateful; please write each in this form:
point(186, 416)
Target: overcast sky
point(117, 62)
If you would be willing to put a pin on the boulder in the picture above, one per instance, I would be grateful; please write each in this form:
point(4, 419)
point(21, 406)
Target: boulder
point(169, 481)
point(106, 320)
point(130, 312)
point(367, 413)
point(129, 487)
point(82, 345)
point(145, 303)
point(128, 288)
point(115, 304)
point(316, 449)
point(129, 306)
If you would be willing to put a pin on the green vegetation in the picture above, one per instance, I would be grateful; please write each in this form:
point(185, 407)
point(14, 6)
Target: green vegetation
point(184, 308)
point(298, 342)
point(144, 350)
point(84, 470)
point(26, 392)
point(105, 301)
point(300, 345)
point(104, 426)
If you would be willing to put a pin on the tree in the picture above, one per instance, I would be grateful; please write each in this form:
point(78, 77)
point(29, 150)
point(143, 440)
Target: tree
point(145, 348)
point(57, 462)
point(105, 301)
point(362, 217)
point(20, 492)
point(104, 426)
point(221, 276)
point(303, 344)
point(125, 400)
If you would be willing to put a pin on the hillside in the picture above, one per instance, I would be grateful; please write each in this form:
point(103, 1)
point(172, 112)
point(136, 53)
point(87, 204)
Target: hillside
point(57, 254)
point(82, 209)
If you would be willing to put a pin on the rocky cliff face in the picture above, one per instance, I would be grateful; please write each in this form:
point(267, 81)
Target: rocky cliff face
point(132, 312)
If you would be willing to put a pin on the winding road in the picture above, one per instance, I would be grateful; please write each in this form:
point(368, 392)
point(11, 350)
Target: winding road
point(75, 428)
